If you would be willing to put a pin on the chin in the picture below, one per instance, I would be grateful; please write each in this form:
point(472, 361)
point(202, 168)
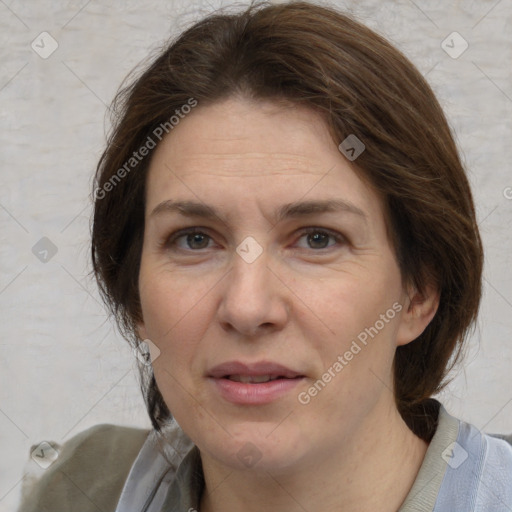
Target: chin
point(252, 448)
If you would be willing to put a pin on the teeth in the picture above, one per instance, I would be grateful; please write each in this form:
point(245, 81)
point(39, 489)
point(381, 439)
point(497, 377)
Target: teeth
point(256, 379)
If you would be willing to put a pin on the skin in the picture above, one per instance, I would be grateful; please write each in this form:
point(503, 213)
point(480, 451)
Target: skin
point(301, 303)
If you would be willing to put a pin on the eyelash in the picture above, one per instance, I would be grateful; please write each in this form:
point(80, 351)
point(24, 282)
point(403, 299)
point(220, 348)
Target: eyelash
point(170, 241)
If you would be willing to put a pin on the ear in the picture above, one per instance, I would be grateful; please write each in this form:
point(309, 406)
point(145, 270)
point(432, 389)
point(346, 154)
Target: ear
point(419, 310)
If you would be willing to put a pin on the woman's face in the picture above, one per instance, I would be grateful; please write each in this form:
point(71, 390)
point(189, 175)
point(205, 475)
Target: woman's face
point(265, 256)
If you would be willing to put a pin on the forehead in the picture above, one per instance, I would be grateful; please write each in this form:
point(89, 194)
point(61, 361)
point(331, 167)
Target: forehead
point(256, 151)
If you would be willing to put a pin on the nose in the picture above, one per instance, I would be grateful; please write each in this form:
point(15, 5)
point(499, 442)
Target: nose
point(254, 299)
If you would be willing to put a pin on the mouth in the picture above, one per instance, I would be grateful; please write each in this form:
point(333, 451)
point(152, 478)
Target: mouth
point(254, 383)
point(253, 379)
point(260, 371)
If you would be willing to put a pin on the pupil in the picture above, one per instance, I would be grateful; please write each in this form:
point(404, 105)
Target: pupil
point(318, 240)
point(199, 238)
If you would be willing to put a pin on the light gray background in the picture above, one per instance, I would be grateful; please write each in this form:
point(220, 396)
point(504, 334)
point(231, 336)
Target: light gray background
point(63, 366)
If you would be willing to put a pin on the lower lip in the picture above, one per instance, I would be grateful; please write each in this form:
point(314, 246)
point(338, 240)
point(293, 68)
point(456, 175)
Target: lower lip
point(254, 394)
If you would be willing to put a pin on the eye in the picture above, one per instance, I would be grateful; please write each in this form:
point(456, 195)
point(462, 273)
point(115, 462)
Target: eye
point(317, 238)
point(188, 240)
point(195, 239)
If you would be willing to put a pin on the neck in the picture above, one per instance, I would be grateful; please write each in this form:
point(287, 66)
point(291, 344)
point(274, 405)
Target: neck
point(373, 470)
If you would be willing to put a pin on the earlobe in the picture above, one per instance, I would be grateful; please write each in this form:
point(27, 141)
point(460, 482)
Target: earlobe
point(419, 310)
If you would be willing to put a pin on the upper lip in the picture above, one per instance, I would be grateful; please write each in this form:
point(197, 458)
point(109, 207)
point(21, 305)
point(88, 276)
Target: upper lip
point(252, 369)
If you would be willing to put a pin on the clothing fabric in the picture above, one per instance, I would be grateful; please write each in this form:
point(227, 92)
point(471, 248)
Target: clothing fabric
point(88, 474)
point(114, 469)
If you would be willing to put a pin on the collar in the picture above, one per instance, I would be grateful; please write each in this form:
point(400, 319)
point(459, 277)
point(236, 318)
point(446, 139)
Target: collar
point(462, 470)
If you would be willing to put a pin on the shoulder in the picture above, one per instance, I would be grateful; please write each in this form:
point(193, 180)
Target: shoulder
point(496, 482)
point(463, 469)
point(480, 470)
point(492, 453)
point(85, 473)
point(505, 437)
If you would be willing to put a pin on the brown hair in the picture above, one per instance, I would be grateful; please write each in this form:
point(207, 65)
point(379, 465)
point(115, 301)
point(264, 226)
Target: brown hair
point(317, 57)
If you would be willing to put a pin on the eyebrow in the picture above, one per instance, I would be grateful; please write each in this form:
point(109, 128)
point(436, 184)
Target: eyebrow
point(290, 210)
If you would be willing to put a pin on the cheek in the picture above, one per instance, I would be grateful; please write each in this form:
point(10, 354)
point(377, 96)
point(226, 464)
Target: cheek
point(350, 300)
point(177, 314)
point(344, 319)
point(172, 304)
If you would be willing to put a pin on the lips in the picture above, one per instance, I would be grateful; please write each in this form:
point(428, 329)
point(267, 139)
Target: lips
point(253, 384)
point(253, 379)
point(262, 369)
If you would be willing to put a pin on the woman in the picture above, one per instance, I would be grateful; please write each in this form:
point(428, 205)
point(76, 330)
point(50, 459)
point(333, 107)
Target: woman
point(283, 221)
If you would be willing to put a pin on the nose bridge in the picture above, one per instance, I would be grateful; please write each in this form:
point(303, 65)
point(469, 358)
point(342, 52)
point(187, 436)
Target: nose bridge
point(249, 276)
point(250, 296)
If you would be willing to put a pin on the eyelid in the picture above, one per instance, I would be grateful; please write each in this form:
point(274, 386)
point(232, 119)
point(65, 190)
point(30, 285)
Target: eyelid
point(339, 237)
point(169, 240)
